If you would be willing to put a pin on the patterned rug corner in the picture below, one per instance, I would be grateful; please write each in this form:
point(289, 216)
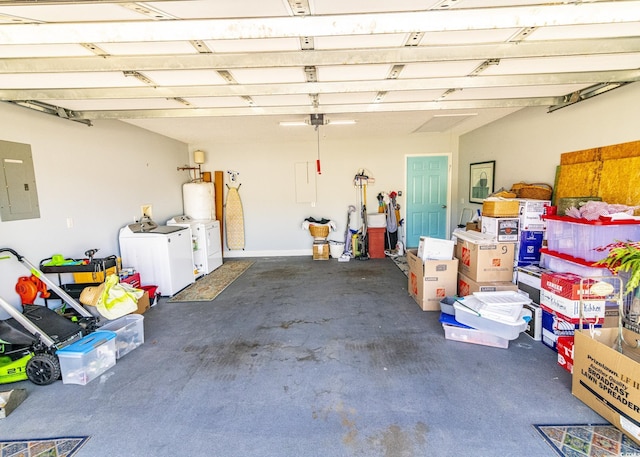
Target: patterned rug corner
point(45, 447)
point(210, 286)
point(401, 262)
point(587, 440)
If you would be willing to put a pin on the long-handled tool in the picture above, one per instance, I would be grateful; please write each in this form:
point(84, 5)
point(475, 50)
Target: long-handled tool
point(361, 181)
point(346, 253)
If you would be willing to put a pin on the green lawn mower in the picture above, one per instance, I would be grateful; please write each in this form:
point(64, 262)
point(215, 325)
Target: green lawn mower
point(29, 340)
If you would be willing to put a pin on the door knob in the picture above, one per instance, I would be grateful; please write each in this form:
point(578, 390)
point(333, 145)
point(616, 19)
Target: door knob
point(444, 206)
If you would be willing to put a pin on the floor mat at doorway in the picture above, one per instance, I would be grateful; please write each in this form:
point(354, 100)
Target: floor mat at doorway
point(210, 286)
point(49, 447)
point(401, 262)
point(588, 440)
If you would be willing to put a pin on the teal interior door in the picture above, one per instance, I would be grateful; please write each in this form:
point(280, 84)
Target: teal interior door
point(427, 184)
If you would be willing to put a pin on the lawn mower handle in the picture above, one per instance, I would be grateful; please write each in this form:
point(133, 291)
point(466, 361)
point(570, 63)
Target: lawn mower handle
point(12, 252)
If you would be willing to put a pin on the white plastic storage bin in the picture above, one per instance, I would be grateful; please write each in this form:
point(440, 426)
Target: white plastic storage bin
point(504, 305)
point(129, 332)
point(87, 358)
point(561, 263)
point(507, 330)
point(446, 305)
point(377, 220)
point(588, 239)
point(473, 336)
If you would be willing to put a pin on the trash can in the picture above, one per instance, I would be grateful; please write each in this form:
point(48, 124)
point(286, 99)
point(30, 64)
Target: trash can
point(336, 248)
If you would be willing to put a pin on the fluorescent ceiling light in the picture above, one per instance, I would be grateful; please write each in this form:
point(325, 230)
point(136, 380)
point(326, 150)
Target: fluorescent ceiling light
point(342, 122)
point(455, 115)
point(293, 123)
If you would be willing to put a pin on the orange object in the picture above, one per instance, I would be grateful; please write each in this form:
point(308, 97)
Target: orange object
point(376, 242)
point(28, 288)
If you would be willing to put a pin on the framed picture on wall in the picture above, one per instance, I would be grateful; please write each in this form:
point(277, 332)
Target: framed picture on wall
point(481, 176)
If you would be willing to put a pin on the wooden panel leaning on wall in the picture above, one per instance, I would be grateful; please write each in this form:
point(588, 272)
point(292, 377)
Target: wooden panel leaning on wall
point(608, 172)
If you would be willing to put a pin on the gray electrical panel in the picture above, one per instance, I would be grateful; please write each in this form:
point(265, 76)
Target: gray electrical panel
point(18, 193)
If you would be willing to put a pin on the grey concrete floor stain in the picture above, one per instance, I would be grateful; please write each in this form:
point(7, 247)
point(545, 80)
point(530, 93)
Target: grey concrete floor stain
point(395, 352)
point(282, 273)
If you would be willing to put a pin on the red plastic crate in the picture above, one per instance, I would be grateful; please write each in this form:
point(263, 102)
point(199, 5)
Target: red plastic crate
point(133, 280)
point(376, 242)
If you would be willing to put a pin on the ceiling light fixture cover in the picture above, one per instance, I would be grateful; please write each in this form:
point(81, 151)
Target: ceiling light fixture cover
point(326, 122)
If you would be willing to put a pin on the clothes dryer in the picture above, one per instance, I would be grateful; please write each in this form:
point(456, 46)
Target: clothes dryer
point(205, 237)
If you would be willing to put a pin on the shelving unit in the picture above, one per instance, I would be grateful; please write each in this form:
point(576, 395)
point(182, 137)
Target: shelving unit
point(98, 268)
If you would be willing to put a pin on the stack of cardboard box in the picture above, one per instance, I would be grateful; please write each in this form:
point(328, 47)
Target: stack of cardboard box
point(521, 222)
point(432, 272)
point(518, 221)
point(484, 264)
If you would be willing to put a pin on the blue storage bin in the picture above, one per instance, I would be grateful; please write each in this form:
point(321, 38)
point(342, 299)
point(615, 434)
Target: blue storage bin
point(87, 358)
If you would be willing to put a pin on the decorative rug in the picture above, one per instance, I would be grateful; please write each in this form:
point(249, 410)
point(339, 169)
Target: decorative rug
point(47, 447)
point(588, 440)
point(209, 286)
point(401, 262)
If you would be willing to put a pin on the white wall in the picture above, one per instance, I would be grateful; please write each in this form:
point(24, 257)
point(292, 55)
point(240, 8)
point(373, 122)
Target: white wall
point(527, 145)
point(273, 219)
point(98, 176)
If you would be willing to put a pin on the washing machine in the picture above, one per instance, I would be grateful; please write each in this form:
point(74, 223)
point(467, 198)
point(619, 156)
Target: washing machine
point(162, 254)
point(205, 237)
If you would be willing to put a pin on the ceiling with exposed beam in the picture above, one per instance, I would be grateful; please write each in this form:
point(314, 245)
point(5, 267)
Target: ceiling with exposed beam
point(203, 70)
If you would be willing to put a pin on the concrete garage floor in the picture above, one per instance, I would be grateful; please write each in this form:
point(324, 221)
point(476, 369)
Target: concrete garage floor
point(308, 358)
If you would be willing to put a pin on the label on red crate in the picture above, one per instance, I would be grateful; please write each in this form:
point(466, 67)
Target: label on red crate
point(569, 310)
point(567, 285)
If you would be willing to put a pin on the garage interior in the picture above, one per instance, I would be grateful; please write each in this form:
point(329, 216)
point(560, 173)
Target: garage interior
point(300, 357)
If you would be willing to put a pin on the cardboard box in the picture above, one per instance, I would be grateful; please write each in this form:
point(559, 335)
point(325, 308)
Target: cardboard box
point(473, 226)
point(529, 245)
point(609, 381)
point(569, 310)
point(561, 294)
point(431, 281)
point(321, 250)
point(554, 326)
point(500, 208)
point(143, 303)
point(10, 400)
point(565, 352)
point(435, 248)
point(530, 214)
point(484, 260)
point(502, 229)
point(467, 286)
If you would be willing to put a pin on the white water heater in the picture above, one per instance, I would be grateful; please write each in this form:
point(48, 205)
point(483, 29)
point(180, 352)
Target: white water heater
point(199, 200)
